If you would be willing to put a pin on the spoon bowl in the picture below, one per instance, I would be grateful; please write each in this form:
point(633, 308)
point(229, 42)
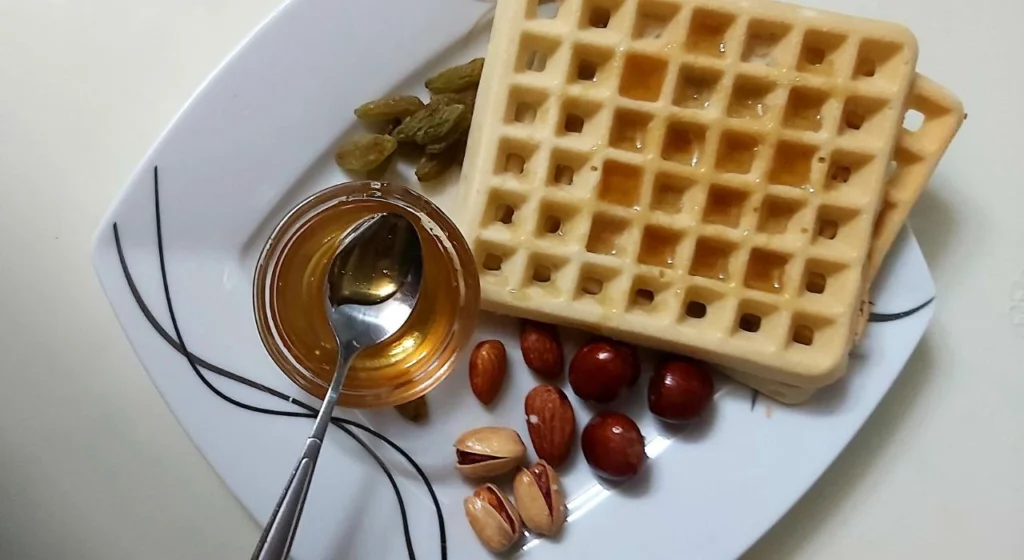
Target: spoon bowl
point(372, 285)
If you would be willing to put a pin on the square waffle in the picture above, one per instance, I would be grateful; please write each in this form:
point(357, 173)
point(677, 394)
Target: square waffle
point(916, 156)
point(664, 173)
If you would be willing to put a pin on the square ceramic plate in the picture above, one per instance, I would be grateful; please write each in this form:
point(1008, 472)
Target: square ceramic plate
point(255, 141)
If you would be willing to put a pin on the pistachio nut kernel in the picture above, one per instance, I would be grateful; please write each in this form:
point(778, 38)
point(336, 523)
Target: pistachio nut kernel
point(538, 492)
point(493, 518)
point(488, 452)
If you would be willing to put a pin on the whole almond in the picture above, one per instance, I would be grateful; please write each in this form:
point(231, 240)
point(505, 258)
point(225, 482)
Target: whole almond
point(551, 422)
point(542, 349)
point(487, 367)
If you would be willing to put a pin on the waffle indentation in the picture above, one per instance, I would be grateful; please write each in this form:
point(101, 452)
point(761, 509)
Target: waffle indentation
point(515, 157)
point(711, 258)
point(526, 105)
point(878, 61)
point(749, 98)
point(669, 192)
point(862, 114)
point(620, 183)
point(805, 109)
point(591, 65)
point(658, 246)
point(777, 213)
point(577, 117)
point(535, 53)
point(643, 77)
point(599, 14)
point(595, 282)
point(606, 235)
point(725, 205)
point(834, 222)
point(559, 220)
point(570, 170)
point(766, 270)
point(763, 40)
point(707, 34)
point(701, 304)
point(630, 130)
point(683, 143)
point(502, 207)
point(819, 52)
point(792, 164)
point(696, 87)
point(736, 152)
point(653, 17)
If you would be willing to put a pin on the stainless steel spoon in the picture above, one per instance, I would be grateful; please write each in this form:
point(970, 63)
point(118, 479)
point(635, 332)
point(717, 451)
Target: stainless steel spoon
point(372, 286)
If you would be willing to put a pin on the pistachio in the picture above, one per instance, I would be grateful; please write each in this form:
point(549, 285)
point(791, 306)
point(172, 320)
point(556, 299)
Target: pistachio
point(541, 501)
point(488, 452)
point(493, 518)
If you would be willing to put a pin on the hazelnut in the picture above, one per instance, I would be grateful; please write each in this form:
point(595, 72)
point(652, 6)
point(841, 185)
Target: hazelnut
point(488, 452)
point(613, 445)
point(680, 390)
point(602, 369)
point(541, 502)
point(493, 518)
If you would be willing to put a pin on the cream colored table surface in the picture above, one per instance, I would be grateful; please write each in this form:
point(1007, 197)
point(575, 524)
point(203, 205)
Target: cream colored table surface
point(92, 464)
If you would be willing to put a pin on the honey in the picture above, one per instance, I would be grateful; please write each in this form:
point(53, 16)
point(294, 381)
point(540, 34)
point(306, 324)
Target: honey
point(292, 316)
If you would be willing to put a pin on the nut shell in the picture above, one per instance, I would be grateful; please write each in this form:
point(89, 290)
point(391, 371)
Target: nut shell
point(538, 493)
point(488, 365)
point(488, 452)
point(493, 518)
point(542, 349)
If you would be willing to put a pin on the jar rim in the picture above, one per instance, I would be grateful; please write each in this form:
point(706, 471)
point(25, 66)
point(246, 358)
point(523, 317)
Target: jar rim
point(435, 223)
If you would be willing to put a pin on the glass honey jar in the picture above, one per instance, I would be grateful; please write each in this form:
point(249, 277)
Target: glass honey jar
point(288, 295)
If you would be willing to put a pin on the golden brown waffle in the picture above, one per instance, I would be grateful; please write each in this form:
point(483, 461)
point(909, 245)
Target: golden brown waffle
point(700, 177)
point(916, 156)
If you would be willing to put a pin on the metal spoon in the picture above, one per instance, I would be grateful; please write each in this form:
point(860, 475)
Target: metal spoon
point(372, 286)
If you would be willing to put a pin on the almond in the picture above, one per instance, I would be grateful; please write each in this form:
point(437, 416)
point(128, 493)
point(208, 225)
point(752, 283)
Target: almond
point(542, 349)
point(487, 367)
point(551, 422)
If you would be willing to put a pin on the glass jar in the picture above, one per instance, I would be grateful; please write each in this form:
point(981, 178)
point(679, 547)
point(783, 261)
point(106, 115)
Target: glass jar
point(288, 295)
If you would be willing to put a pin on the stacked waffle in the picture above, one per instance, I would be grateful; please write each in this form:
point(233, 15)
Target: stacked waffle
point(716, 178)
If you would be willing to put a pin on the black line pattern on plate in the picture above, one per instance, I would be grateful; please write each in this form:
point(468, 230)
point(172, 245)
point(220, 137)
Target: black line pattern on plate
point(889, 317)
point(198, 364)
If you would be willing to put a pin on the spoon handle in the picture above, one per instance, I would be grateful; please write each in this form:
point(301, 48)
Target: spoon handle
point(279, 532)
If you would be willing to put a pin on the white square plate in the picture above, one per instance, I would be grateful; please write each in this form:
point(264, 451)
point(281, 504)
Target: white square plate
point(256, 140)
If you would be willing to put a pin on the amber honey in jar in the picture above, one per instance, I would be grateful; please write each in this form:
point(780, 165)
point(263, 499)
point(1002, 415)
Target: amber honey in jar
point(291, 315)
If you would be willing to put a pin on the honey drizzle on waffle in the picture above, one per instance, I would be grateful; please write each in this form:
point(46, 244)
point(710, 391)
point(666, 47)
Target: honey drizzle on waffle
point(700, 177)
point(916, 156)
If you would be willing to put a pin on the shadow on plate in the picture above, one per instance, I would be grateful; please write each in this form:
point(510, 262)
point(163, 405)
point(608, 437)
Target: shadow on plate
point(937, 227)
point(842, 479)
